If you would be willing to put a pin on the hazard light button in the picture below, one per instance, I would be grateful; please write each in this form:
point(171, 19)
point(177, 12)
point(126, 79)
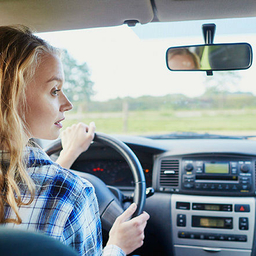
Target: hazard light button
point(242, 208)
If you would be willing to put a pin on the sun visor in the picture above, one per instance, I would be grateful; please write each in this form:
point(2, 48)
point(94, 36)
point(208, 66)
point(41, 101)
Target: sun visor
point(53, 15)
point(180, 10)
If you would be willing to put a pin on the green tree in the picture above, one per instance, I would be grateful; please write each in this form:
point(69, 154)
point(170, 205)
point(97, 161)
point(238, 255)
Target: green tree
point(220, 85)
point(78, 85)
point(222, 82)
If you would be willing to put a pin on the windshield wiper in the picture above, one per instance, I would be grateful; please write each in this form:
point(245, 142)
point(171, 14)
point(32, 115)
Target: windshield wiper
point(193, 135)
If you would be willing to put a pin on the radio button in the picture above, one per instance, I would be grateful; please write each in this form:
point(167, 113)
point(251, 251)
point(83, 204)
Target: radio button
point(188, 185)
point(226, 187)
point(243, 223)
point(183, 234)
point(231, 238)
point(227, 208)
point(222, 237)
point(199, 167)
point(234, 171)
point(188, 179)
point(241, 238)
point(189, 167)
point(211, 237)
point(197, 206)
point(199, 170)
point(205, 186)
point(181, 220)
point(233, 164)
point(182, 205)
point(246, 187)
point(199, 164)
point(213, 186)
point(245, 168)
point(198, 186)
point(234, 187)
point(245, 180)
point(193, 236)
point(220, 187)
point(202, 236)
point(228, 223)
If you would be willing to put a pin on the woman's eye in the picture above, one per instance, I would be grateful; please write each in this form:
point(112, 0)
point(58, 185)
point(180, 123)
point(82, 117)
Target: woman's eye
point(55, 92)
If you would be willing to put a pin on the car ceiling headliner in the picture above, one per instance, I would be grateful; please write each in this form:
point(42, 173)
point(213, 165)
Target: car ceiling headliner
point(52, 15)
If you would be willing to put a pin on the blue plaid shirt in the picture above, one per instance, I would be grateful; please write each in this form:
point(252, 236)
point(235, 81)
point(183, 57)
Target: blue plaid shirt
point(65, 207)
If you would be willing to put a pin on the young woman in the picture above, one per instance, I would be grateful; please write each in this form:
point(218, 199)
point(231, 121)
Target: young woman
point(36, 193)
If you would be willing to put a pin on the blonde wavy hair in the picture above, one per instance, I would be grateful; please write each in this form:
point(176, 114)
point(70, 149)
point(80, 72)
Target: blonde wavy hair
point(20, 53)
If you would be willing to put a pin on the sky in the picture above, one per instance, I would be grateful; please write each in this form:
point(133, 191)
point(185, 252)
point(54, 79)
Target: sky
point(131, 61)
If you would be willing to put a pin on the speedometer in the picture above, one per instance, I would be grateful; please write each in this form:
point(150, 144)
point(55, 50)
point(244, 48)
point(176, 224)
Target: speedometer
point(113, 173)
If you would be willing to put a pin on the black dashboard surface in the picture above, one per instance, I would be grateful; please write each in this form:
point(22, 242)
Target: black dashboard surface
point(103, 162)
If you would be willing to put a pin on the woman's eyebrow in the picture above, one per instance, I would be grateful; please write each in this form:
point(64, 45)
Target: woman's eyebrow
point(55, 78)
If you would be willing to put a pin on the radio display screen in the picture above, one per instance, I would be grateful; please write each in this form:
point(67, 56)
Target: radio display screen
point(212, 207)
point(217, 168)
point(212, 222)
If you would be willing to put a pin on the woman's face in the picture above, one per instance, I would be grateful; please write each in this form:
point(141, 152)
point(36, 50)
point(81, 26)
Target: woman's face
point(181, 62)
point(46, 102)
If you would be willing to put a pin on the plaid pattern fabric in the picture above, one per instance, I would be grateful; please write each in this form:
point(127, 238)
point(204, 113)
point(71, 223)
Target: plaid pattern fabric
point(65, 207)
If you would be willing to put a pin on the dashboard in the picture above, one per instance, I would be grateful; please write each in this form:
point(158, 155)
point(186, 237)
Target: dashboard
point(113, 172)
point(204, 200)
point(166, 165)
point(110, 167)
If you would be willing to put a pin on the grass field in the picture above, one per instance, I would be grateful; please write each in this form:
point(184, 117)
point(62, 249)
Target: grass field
point(155, 122)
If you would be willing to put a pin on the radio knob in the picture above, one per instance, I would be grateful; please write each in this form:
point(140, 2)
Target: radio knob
point(189, 167)
point(245, 168)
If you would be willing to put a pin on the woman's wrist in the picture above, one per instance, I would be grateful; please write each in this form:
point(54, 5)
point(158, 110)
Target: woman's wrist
point(67, 158)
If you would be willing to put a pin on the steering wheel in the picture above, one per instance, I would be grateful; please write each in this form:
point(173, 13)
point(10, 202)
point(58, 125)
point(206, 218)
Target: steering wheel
point(109, 206)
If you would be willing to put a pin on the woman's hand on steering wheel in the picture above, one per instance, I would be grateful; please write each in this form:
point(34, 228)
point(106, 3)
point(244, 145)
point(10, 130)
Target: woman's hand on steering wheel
point(128, 233)
point(75, 140)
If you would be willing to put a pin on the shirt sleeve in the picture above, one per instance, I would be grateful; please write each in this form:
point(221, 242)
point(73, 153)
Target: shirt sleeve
point(83, 227)
point(113, 250)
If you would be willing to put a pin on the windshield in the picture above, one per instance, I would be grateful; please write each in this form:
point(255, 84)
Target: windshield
point(117, 77)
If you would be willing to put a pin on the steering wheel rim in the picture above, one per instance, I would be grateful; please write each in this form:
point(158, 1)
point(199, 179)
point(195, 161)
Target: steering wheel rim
point(131, 159)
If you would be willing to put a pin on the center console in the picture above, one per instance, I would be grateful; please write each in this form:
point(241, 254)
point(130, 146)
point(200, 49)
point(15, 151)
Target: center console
point(212, 202)
point(225, 225)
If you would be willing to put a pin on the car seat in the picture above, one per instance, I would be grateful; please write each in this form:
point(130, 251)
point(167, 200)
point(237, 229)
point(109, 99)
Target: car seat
point(14, 242)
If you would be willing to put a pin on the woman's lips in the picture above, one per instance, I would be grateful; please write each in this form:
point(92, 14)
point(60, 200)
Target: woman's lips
point(59, 124)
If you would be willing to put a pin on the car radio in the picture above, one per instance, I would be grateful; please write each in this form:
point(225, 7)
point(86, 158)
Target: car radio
point(224, 176)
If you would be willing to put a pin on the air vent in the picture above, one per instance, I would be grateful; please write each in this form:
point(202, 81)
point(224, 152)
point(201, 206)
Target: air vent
point(169, 174)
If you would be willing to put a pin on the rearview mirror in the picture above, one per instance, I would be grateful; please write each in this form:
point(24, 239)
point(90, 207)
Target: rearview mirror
point(207, 57)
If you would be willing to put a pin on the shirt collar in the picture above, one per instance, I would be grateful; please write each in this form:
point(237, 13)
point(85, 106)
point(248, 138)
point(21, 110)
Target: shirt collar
point(36, 156)
point(33, 156)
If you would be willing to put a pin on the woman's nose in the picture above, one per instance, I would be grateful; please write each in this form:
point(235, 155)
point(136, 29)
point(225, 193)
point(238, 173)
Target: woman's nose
point(66, 105)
